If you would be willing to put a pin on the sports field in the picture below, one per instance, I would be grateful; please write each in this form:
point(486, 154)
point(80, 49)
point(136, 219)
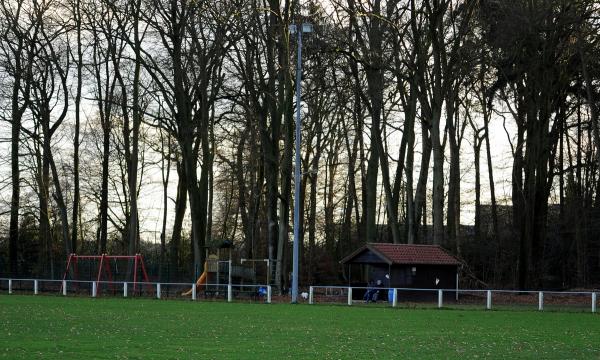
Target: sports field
point(77, 328)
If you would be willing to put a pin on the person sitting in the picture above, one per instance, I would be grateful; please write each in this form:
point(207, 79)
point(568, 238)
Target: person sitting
point(372, 292)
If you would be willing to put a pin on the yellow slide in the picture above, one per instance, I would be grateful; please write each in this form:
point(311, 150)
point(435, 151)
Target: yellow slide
point(199, 283)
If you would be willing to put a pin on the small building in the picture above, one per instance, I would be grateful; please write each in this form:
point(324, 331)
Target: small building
point(402, 266)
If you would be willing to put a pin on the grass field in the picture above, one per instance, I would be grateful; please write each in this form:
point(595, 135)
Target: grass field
point(77, 328)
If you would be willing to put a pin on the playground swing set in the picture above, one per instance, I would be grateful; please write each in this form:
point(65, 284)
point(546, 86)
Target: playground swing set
point(104, 272)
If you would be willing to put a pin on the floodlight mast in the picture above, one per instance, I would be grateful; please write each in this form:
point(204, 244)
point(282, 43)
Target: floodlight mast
point(294, 29)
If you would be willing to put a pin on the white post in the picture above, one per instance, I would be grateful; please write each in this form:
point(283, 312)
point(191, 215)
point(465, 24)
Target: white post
point(395, 299)
point(593, 302)
point(64, 287)
point(541, 301)
point(158, 290)
point(125, 289)
point(311, 295)
point(268, 294)
point(35, 287)
point(440, 298)
point(193, 291)
point(229, 293)
point(9, 286)
point(489, 300)
point(94, 289)
point(349, 296)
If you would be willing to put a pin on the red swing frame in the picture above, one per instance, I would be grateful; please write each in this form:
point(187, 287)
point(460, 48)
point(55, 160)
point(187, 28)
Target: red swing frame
point(104, 266)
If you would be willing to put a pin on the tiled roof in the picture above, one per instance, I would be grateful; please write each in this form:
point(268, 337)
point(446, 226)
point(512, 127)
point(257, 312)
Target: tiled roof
point(408, 254)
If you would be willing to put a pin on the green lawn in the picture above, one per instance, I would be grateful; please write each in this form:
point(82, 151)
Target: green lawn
point(79, 328)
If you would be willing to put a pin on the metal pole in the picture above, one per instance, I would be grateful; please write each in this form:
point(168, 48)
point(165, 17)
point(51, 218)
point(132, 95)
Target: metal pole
point(440, 299)
point(158, 290)
point(457, 285)
point(395, 298)
point(489, 300)
point(94, 289)
point(311, 295)
point(229, 279)
point(268, 294)
point(593, 302)
point(541, 301)
point(125, 289)
point(268, 271)
point(194, 291)
point(35, 287)
point(297, 178)
point(9, 286)
point(229, 287)
point(64, 287)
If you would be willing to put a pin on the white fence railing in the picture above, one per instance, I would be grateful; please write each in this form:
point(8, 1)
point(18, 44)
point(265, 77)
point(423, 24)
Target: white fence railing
point(453, 298)
point(230, 292)
point(347, 295)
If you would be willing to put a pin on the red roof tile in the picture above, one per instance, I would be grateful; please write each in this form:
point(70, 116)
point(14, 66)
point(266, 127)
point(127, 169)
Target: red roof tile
point(408, 254)
point(414, 254)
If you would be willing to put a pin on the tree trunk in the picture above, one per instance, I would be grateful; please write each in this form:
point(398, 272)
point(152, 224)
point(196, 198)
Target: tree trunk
point(76, 196)
point(453, 213)
point(165, 172)
point(13, 240)
point(421, 192)
point(180, 208)
point(133, 160)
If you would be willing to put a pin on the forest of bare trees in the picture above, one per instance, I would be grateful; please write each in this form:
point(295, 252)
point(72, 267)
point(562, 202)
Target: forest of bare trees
point(162, 127)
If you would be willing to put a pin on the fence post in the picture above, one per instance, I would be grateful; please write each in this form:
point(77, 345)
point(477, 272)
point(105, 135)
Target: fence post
point(440, 298)
point(594, 302)
point(395, 298)
point(541, 301)
point(64, 287)
point(94, 289)
point(158, 290)
point(310, 295)
point(193, 291)
point(125, 289)
point(9, 286)
point(229, 293)
point(349, 296)
point(35, 287)
point(268, 294)
point(489, 300)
